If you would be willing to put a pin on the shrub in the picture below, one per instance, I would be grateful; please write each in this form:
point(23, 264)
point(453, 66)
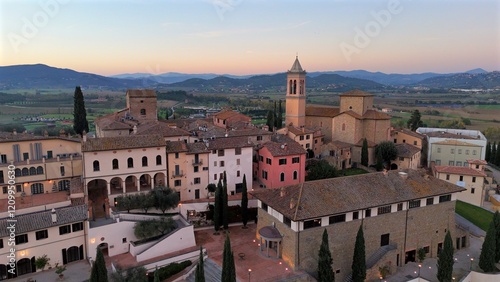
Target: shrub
point(171, 269)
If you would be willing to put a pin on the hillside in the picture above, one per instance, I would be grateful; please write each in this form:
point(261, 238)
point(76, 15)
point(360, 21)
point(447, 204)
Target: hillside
point(43, 76)
point(487, 80)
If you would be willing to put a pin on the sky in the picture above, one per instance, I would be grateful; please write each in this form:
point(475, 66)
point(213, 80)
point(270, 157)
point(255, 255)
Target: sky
point(240, 37)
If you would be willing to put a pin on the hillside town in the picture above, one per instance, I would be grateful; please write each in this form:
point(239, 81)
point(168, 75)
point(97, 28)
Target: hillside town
point(72, 199)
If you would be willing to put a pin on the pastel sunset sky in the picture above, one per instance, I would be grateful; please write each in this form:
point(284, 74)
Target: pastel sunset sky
point(251, 36)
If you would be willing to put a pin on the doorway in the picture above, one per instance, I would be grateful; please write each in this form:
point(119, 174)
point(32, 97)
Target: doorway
point(410, 256)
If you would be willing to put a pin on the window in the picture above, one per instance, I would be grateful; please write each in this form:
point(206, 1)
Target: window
point(32, 171)
point(176, 155)
point(124, 240)
point(447, 177)
point(355, 215)
point(404, 140)
point(158, 160)
point(177, 183)
point(282, 176)
point(237, 151)
point(215, 163)
point(384, 209)
point(18, 188)
point(308, 137)
point(337, 218)
point(474, 152)
point(221, 153)
point(268, 161)
point(287, 221)
point(452, 151)
point(439, 150)
point(438, 162)
point(39, 170)
point(214, 151)
point(65, 229)
point(261, 158)
point(196, 168)
point(96, 166)
point(21, 239)
point(460, 151)
point(115, 164)
point(459, 163)
point(445, 198)
point(308, 145)
point(264, 206)
point(197, 180)
point(237, 173)
point(343, 127)
point(282, 162)
point(472, 190)
point(77, 226)
point(461, 178)
point(415, 143)
point(301, 137)
point(144, 161)
point(295, 160)
point(205, 168)
point(384, 239)
point(259, 138)
point(451, 163)
point(130, 163)
point(414, 204)
point(477, 166)
point(1, 243)
point(466, 152)
point(429, 201)
point(312, 223)
point(295, 175)
point(427, 249)
point(368, 213)
point(42, 234)
point(4, 189)
point(237, 161)
point(26, 156)
point(473, 179)
point(400, 206)
point(215, 176)
point(221, 163)
point(64, 185)
point(143, 112)
point(264, 174)
point(37, 188)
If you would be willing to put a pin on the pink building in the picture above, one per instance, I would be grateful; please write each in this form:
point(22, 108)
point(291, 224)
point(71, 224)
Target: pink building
point(281, 162)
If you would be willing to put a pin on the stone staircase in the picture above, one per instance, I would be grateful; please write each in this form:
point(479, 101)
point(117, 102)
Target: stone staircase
point(374, 258)
point(213, 272)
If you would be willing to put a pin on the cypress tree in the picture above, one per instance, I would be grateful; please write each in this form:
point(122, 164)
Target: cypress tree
point(200, 269)
point(166, 113)
point(280, 115)
point(445, 260)
point(497, 157)
point(493, 152)
point(380, 161)
point(325, 270)
point(99, 273)
point(218, 206)
point(225, 215)
point(232, 268)
point(488, 251)
point(487, 156)
point(364, 153)
point(228, 268)
point(496, 220)
point(156, 277)
point(244, 202)
point(275, 114)
point(359, 258)
point(80, 122)
point(270, 121)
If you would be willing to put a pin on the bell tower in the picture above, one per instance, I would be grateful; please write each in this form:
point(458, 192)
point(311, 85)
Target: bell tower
point(296, 95)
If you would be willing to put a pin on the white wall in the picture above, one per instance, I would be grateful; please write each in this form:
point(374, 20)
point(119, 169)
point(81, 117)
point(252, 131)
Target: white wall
point(181, 239)
point(231, 167)
point(112, 234)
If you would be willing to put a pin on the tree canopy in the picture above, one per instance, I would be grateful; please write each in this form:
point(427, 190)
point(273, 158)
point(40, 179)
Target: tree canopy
point(415, 121)
point(80, 122)
point(320, 170)
point(388, 152)
point(359, 258)
point(445, 260)
point(325, 270)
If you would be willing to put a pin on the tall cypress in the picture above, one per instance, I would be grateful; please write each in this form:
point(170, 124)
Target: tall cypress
point(225, 215)
point(99, 273)
point(496, 220)
point(275, 114)
point(218, 206)
point(488, 250)
point(325, 270)
point(487, 156)
point(244, 202)
point(493, 152)
point(359, 258)
point(364, 153)
point(497, 156)
point(228, 268)
point(270, 121)
point(280, 115)
point(445, 260)
point(200, 269)
point(80, 122)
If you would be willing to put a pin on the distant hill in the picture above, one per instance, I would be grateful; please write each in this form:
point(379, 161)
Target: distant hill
point(324, 82)
point(477, 80)
point(173, 77)
point(43, 76)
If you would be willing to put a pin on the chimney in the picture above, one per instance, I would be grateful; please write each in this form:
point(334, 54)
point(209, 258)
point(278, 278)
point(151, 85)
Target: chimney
point(54, 216)
point(134, 129)
point(282, 192)
point(403, 175)
point(84, 136)
point(292, 203)
point(14, 132)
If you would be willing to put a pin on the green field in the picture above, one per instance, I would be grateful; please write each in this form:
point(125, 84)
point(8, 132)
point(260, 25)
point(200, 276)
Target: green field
point(478, 216)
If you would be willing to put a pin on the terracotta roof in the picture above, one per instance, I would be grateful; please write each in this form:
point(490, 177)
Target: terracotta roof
point(300, 131)
point(176, 146)
point(283, 146)
point(270, 232)
point(43, 219)
point(374, 114)
point(456, 143)
point(197, 148)
point(115, 121)
point(406, 150)
point(465, 170)
point(352, 113)
point(442, 134)
point(9, 137)
point(163, 128)
point(370, 143)
point(225, 114)
point(138, 93)
point(479, 162)
point(314, 199)
point(322, 111)
point(340, 144)
point(228, 142)
point(122, 142)
point(408, 132)
point(356, 93)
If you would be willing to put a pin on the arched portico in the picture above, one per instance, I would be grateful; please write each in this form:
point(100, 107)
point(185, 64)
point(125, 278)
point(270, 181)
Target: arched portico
point(98, 193)
point(116, 184)
point(271, 238)
point(131, 184)
point(145, 182)
point(159, 179)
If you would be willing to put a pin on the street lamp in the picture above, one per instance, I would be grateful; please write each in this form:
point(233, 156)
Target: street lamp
point(471, 260)
point(419, 267)
point(249, 271)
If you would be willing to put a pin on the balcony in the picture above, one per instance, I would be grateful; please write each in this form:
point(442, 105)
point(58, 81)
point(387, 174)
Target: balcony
point(197, 162)
point(178, 173)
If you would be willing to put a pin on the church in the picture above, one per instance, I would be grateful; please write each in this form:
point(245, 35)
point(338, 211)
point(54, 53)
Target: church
point(352, 122)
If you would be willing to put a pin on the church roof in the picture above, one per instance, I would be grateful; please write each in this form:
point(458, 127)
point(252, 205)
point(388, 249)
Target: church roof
point(296, 66)
point(406, 150)
point(356, 93)
point(322, 111)
point(141, 93)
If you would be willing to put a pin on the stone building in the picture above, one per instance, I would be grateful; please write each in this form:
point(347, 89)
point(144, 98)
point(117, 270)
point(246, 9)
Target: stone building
point(408, 157)
point(393, 207)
